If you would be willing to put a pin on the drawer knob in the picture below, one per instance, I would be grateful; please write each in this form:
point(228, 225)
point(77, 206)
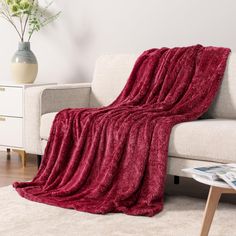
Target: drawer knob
point(2, 119)
point(2, 89)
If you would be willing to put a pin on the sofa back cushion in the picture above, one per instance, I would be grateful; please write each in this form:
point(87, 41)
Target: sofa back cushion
point(112, 71)
point(224, 105)
point(110, 76)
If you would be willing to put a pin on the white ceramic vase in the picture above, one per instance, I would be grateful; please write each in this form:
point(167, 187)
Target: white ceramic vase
point(24, 66)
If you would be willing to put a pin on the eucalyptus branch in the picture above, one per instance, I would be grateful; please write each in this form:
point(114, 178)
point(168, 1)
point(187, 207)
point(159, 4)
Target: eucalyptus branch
point(50, 19)
point(31, 33)
point(29, 14)
point(16, 29)
point(11, 22)
point(21, 28)
point(25, 25)
point(26, 21)
point(9, 18)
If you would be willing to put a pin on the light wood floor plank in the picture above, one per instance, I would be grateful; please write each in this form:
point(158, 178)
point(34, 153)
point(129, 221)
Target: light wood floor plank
point(11, 169)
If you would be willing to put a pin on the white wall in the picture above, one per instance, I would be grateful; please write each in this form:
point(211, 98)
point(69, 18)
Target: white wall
point(67, 49)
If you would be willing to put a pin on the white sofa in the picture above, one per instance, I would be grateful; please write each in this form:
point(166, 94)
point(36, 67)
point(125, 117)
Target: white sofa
point(202, 142)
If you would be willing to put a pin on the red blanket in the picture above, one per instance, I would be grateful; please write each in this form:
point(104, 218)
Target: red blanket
point(114, 158)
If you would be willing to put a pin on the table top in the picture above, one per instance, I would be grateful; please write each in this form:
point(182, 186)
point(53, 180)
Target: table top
point(13, 84)
point(216, 183)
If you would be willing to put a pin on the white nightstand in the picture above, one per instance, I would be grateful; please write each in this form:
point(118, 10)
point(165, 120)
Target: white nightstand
point(12, 117)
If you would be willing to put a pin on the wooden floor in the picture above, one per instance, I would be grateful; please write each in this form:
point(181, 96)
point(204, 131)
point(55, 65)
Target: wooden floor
point(11, 169)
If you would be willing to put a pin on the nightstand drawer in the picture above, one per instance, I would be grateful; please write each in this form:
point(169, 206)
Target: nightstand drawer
point(11, 101)
point(11, 129)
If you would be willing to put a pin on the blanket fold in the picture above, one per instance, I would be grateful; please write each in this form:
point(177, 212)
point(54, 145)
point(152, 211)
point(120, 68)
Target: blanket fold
point(114, 158)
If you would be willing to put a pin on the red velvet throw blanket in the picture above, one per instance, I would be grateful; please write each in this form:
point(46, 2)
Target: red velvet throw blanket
point(114, 158)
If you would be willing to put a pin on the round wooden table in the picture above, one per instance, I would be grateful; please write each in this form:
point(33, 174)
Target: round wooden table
point(217, 188)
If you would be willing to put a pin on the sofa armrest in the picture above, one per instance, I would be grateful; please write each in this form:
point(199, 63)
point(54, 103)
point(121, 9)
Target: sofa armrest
point(50, 98)
point(56, 98)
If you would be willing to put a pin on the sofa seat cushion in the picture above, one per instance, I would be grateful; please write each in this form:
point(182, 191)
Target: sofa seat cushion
point(209, 140)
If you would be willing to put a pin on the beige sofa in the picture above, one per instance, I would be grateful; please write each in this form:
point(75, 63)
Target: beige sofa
point(202, 142)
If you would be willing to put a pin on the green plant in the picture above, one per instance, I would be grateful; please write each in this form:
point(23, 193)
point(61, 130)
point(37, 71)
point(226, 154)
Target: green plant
point(26, 16)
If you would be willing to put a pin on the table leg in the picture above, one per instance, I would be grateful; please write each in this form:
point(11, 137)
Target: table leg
point(8, 153)
point(39, 159)
point(211, 205)
point(22, 155)
point(23, 158)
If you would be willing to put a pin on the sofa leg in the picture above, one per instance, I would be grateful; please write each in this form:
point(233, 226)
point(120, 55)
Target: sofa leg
point(39, 159)
point(176, 179)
